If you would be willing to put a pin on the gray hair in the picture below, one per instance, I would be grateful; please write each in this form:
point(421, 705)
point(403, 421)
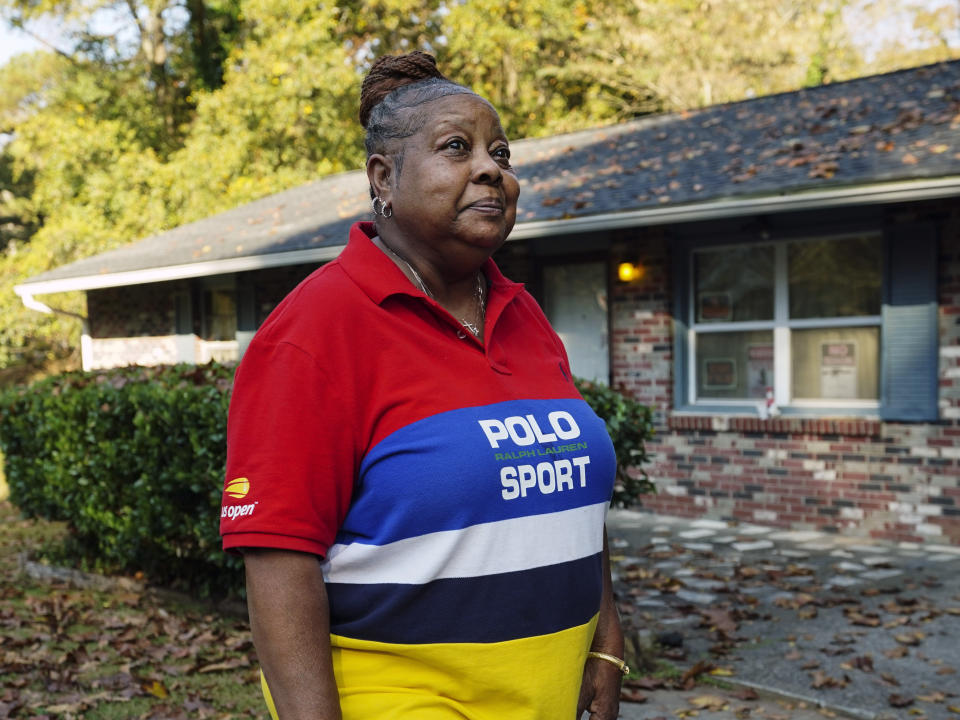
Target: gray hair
point(394, 117)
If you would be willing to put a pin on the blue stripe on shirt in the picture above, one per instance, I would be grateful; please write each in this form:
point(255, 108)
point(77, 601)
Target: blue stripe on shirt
point(494, 608)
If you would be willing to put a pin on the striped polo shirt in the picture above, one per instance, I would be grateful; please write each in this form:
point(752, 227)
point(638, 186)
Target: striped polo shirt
point(456, 490)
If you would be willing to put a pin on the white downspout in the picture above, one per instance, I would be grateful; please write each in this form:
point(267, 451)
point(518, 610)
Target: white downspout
point(86, 341)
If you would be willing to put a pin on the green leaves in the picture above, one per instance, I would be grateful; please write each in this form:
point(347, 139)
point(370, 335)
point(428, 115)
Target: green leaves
point(129, 133)
point(132, 460)
point(630, 425)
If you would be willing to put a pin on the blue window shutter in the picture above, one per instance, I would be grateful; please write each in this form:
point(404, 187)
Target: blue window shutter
point(680, 256)
point(910, 342)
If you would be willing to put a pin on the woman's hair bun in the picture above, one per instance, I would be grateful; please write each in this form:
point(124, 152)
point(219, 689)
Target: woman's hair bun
point(390, 72)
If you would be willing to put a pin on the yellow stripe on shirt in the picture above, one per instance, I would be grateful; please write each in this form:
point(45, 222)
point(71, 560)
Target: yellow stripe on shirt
point(535, 678)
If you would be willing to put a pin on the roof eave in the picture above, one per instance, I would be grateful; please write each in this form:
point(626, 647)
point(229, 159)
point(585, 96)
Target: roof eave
point(186, 271)
point(878, 193)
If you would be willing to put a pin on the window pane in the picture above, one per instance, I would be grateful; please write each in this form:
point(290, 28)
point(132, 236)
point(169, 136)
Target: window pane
point(734, 284)
point(220, 315)
point(835, 278)
point(735, 364)
point(836, 363)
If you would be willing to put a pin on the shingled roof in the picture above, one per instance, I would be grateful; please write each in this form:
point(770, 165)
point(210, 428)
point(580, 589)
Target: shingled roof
point(894, 130)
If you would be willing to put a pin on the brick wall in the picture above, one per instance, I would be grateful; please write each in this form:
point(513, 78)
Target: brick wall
point(889, 480)
point(641, 323)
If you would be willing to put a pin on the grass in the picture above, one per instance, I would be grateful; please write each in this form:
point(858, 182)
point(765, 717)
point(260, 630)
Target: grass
point(69, 652)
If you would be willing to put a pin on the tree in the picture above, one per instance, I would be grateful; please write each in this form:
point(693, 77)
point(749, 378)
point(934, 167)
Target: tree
point(519, 62)
point(203, 105)
point(285, 114)
point(158, 48)
point(654, 55)
point(907, 33)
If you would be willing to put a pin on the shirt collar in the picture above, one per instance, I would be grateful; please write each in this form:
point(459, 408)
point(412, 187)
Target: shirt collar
point(379, 277)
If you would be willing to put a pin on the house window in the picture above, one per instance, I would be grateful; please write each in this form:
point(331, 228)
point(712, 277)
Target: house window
point(800, 319)
point(219, 314)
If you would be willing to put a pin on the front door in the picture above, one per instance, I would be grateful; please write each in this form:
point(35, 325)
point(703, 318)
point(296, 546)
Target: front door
point(575, 300)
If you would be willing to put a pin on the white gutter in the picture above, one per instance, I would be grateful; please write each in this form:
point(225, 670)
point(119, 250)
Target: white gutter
point(32, 303)
point(174, 272)
point(879, 193)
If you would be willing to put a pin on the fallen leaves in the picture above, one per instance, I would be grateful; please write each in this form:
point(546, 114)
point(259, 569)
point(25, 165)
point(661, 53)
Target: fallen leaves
point(71, 653)
point(819, 680)
point(900, 701)
point(689, 679)
point(865, 619)
point(721, 619)
point(826, 170)
point(862, 662)
point(630, 695)
point(714, 703)
point(773, 597)
point(157, 689)
point(910, 639)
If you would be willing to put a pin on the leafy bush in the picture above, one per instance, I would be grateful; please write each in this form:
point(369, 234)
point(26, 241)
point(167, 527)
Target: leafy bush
point(132, 460)
point(630, 425)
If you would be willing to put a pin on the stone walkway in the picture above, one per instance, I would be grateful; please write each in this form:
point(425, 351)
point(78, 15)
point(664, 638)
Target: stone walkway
point(866, 628)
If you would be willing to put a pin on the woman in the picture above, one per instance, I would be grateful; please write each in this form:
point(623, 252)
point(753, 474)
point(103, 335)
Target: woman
point(415, 484)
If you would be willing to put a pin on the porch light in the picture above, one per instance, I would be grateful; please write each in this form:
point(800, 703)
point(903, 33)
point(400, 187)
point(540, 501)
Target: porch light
point(629, 272)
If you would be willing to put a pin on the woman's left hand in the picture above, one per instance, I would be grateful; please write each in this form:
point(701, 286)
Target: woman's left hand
point(600, 690)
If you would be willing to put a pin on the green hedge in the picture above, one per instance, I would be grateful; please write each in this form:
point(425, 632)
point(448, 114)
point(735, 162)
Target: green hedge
point(133, 461)
point(630, 425)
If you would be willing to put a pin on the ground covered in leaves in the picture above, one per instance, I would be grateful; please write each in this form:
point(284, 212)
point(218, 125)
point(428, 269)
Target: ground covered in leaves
point(101, 654)
point(870, 628)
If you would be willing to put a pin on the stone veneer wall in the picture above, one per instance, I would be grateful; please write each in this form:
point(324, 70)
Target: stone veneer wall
point(133, 311)
point(888, 480)
point(145, 350)
point(133, 325)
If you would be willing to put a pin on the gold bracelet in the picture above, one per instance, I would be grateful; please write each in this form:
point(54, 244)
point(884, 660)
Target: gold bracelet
point(621, 665)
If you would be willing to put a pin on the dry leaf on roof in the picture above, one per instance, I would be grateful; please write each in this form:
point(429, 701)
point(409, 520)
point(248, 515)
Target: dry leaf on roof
point(825, 170)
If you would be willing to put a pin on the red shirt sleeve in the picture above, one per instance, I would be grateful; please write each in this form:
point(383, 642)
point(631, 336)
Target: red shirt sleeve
point(291, 453)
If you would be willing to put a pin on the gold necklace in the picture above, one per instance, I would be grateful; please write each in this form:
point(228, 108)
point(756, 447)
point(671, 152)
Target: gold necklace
point(481, 301)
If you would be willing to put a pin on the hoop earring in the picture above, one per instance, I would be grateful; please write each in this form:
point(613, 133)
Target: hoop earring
point(381, 208)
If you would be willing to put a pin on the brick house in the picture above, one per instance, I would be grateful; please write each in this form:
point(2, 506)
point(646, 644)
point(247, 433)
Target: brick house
point(779, 278)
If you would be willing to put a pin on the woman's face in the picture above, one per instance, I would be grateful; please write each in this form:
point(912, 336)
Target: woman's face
point(454, 192)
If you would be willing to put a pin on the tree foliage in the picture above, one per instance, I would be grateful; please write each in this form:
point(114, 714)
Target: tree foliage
point(152, 113)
